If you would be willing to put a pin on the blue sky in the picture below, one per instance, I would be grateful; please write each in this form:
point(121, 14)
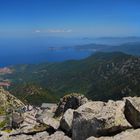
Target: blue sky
point(69, 18)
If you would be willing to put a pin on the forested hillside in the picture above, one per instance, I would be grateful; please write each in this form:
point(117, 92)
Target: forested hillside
point(101, 76)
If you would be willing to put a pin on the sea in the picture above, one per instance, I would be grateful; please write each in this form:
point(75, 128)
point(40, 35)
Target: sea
point(33, 51)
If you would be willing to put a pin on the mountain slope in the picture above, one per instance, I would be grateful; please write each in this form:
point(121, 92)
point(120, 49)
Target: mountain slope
point(101, 76)
point(8, 101)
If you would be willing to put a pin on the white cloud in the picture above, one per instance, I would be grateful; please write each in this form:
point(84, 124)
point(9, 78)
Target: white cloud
point(59, 30)
point(54, 31)
point(37, 31)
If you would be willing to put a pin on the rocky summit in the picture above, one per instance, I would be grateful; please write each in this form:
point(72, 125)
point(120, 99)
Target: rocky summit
point(74, 118)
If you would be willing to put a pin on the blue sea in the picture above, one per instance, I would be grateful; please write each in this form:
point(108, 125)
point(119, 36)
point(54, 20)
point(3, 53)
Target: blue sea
point(34, 49)
point(14, 52)
point(12, 57)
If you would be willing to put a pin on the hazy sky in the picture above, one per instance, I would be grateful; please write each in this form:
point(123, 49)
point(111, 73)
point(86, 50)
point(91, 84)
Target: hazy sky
point(69, 18)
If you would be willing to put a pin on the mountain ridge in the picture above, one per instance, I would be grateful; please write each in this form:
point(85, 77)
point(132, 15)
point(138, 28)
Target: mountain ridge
point(101, 76)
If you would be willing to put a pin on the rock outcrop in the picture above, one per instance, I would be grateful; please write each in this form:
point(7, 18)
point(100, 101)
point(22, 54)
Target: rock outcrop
point(132, 111)
point(66, 121)
point(99, 119)
point(72, 101)
point(8, 102)
point(50, 121)
point(76, 118)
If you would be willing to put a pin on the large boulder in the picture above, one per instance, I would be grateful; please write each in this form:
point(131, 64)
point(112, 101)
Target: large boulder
point(127, 135)
point(99, 119)
point(72, 101)
point(132, 111)
point(66, 121)
point(49, 121)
